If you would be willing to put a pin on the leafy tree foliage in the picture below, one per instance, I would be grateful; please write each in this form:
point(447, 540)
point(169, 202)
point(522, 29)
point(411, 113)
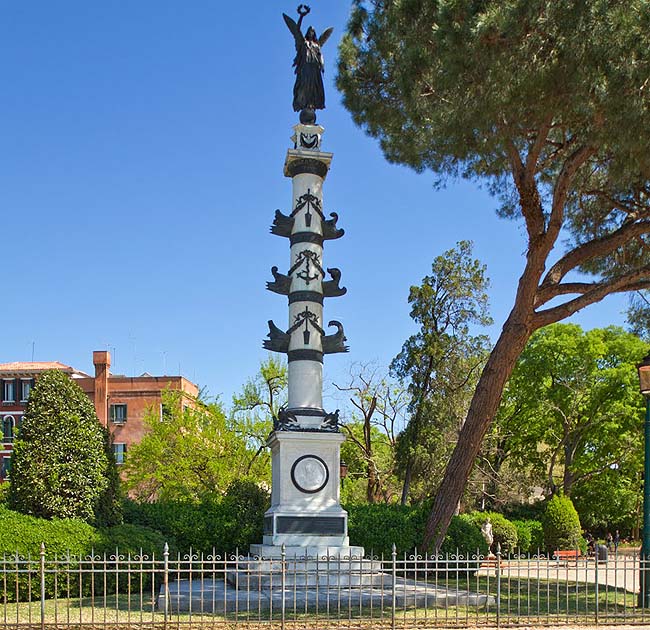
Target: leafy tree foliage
point(59, 464)
point(254, 408)
point(545, 102)
point(578, 409)
point(190, 451)
point(638, 314)
point(441, 362)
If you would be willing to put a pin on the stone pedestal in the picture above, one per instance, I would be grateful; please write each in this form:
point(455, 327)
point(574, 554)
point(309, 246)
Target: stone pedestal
point(305, 514)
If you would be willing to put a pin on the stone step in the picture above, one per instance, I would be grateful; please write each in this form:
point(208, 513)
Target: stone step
point(254, 573)
point(329, 579)
point(204, 596)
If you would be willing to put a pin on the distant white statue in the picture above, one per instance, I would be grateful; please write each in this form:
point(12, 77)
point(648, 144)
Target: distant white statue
point(486, 530)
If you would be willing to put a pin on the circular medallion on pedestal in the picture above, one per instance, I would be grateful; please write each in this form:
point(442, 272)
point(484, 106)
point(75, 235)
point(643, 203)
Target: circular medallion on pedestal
point(309, 474)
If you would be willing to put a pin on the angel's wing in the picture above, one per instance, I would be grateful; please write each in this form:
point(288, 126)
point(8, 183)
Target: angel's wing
point(325, 35)
point(293, 27)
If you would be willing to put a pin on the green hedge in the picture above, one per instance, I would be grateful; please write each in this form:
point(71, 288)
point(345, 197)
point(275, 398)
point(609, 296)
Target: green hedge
point(222, 524)
point(530, 536)
point(377, 526)
point(66, 540)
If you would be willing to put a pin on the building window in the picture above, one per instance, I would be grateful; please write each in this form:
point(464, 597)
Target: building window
point(118, 413)
point(25, 389)
point(8, 429)
point(119, 450)
point(9, 391)
point(5, 466)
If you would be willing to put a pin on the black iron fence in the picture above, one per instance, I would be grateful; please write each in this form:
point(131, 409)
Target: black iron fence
point(395, 591)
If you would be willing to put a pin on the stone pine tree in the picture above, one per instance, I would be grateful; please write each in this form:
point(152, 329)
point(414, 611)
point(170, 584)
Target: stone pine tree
point(546, 102)
point(59, 465)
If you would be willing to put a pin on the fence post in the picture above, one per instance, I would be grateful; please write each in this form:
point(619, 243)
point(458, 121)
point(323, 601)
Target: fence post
point(498, 575)
point(166, 583)
point(42, 576)
point(597, 589)
point(394, 589)
point(283, 578)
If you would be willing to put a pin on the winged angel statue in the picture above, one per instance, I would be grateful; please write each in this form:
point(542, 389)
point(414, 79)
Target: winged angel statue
point(308, 92)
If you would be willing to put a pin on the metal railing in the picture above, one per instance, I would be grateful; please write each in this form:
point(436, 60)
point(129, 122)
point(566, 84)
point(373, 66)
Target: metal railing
point(395, 591)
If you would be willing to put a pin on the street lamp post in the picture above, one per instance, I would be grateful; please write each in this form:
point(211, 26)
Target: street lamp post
point(644, 571)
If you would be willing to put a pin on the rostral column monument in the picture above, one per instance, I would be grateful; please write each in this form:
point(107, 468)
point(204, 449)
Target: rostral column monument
point(305, 514)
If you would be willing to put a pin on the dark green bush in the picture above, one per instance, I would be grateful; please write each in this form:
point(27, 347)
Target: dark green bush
point(505, 533)
point(561, 525)
point(378, 526)
point(243, 508)
point(221, 524)
point(464, 536)
point(131, 540)
point(67, 541)
point(530, 536)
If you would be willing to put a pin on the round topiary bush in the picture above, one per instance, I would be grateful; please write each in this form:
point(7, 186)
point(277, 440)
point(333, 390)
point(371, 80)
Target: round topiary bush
point(561, 523)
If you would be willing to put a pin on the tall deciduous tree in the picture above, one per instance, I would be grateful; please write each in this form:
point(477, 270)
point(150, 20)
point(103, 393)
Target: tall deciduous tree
point(378, 411)
point(441, 362)
point(189, 452)
point(578, 393)
point(545, 101)
point(59, 465)
point(254, 408)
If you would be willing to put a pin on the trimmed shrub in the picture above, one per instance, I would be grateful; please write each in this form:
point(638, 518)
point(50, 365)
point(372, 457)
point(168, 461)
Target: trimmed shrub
point(378, 526)
point(59, 465)
point(66, 539)
point(530, 536)
point(222, 524)
point(23, 534)
point(561, 525)
point(131, 540)
point(505, 533)
point(464, 536)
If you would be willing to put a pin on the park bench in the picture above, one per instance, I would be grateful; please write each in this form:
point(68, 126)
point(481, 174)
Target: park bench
point(567, 554)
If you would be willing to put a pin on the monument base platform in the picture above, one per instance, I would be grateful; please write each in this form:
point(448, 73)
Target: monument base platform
point(210, 596)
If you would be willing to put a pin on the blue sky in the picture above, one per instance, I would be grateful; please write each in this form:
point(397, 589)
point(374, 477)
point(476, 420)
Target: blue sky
point(141, 153)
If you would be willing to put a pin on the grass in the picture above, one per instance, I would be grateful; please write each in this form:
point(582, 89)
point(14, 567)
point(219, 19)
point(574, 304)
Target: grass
point(522, 601)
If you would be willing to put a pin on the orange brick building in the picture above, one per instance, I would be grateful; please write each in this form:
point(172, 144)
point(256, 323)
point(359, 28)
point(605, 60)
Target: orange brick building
point(121, 402)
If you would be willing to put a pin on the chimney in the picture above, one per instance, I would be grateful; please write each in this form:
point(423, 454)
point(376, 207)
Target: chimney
point(102, 362)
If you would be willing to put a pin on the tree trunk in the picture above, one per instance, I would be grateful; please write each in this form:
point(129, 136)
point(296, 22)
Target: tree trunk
point(483, 408)
point(568, 477)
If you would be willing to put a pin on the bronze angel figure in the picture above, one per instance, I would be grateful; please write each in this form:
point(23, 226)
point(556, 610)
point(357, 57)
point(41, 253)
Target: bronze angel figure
point(308, 92)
